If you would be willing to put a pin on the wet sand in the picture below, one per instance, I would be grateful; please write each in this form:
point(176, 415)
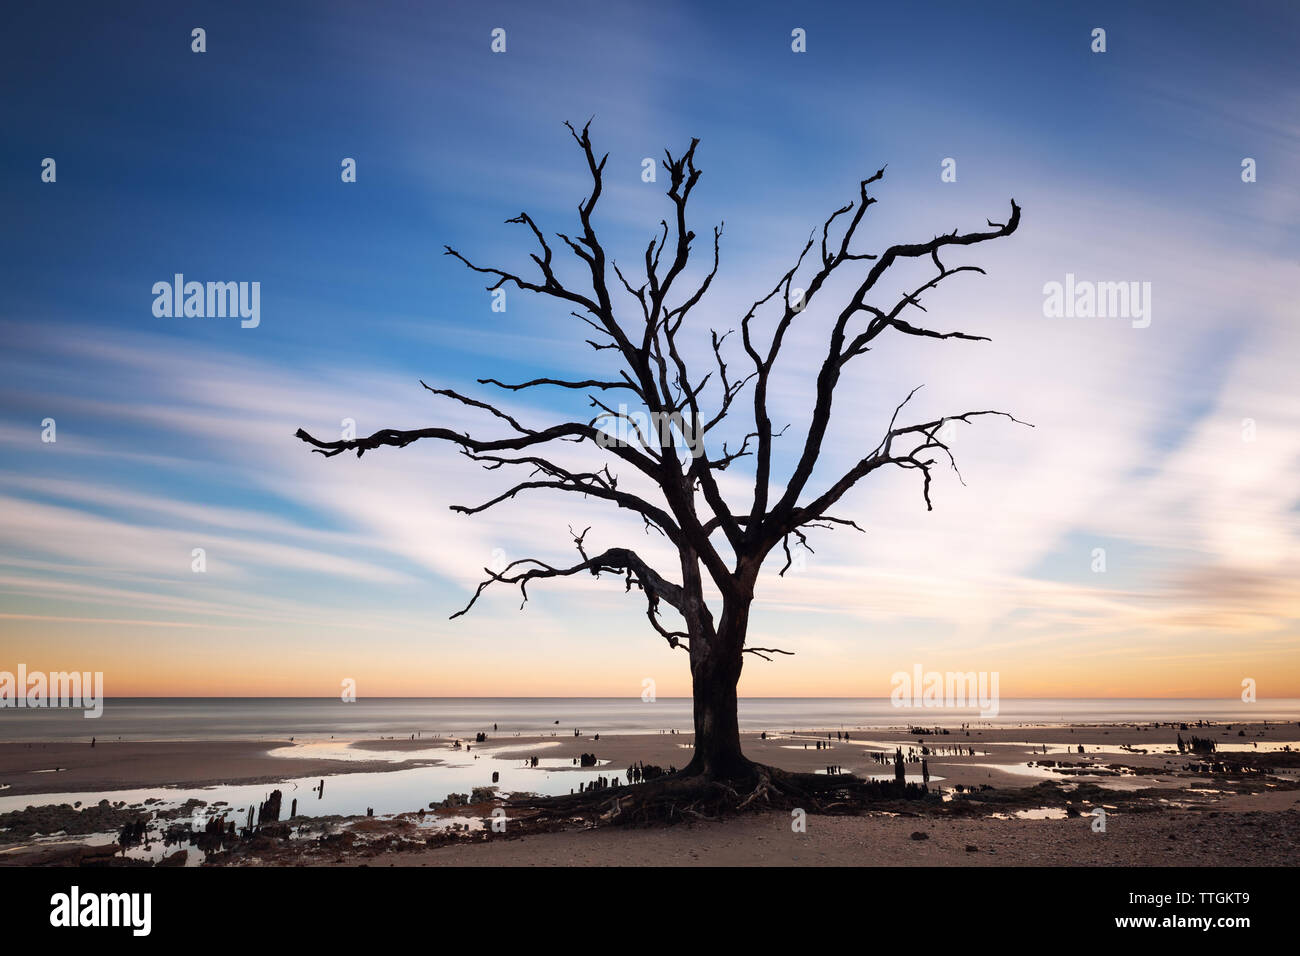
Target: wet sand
point(1160, 813)
point(129, 765)
point(140, 764)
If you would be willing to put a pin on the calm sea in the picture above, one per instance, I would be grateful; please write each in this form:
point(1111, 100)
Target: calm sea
point(171, 718)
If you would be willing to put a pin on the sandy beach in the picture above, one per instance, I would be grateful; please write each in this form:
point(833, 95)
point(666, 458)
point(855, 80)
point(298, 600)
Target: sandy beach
point(1008, 795)
point(1259, 837)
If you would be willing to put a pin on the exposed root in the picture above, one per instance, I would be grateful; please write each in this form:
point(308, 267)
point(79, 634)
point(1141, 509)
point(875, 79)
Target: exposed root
point(696, 796)
point(762, 790)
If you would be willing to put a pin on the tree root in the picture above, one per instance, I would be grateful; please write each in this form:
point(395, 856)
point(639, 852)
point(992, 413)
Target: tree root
point(696, 796)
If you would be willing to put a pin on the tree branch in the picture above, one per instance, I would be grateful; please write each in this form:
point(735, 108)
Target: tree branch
point(636, 572)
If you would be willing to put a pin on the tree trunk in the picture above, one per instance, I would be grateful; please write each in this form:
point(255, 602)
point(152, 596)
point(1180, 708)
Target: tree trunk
point(715, 671)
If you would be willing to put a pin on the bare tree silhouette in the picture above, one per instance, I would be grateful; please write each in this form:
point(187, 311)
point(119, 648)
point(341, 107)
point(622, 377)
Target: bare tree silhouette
point(713, 541)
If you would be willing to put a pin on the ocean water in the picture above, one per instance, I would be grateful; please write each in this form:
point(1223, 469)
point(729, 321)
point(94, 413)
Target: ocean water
point(207, 718)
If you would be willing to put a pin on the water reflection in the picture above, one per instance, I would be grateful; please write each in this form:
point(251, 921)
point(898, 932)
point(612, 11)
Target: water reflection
point(352, 794)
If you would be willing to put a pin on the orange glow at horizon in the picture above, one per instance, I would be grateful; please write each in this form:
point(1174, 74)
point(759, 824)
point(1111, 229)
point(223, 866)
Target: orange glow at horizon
point(289, 666)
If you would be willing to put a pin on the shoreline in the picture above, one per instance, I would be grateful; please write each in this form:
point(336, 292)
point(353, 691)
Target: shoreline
point(990, 788)
point(140, 764)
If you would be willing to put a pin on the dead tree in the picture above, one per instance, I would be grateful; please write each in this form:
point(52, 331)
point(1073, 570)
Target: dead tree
point(715, 542)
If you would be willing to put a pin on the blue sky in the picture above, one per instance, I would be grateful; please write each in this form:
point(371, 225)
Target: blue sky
point(176, 433)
